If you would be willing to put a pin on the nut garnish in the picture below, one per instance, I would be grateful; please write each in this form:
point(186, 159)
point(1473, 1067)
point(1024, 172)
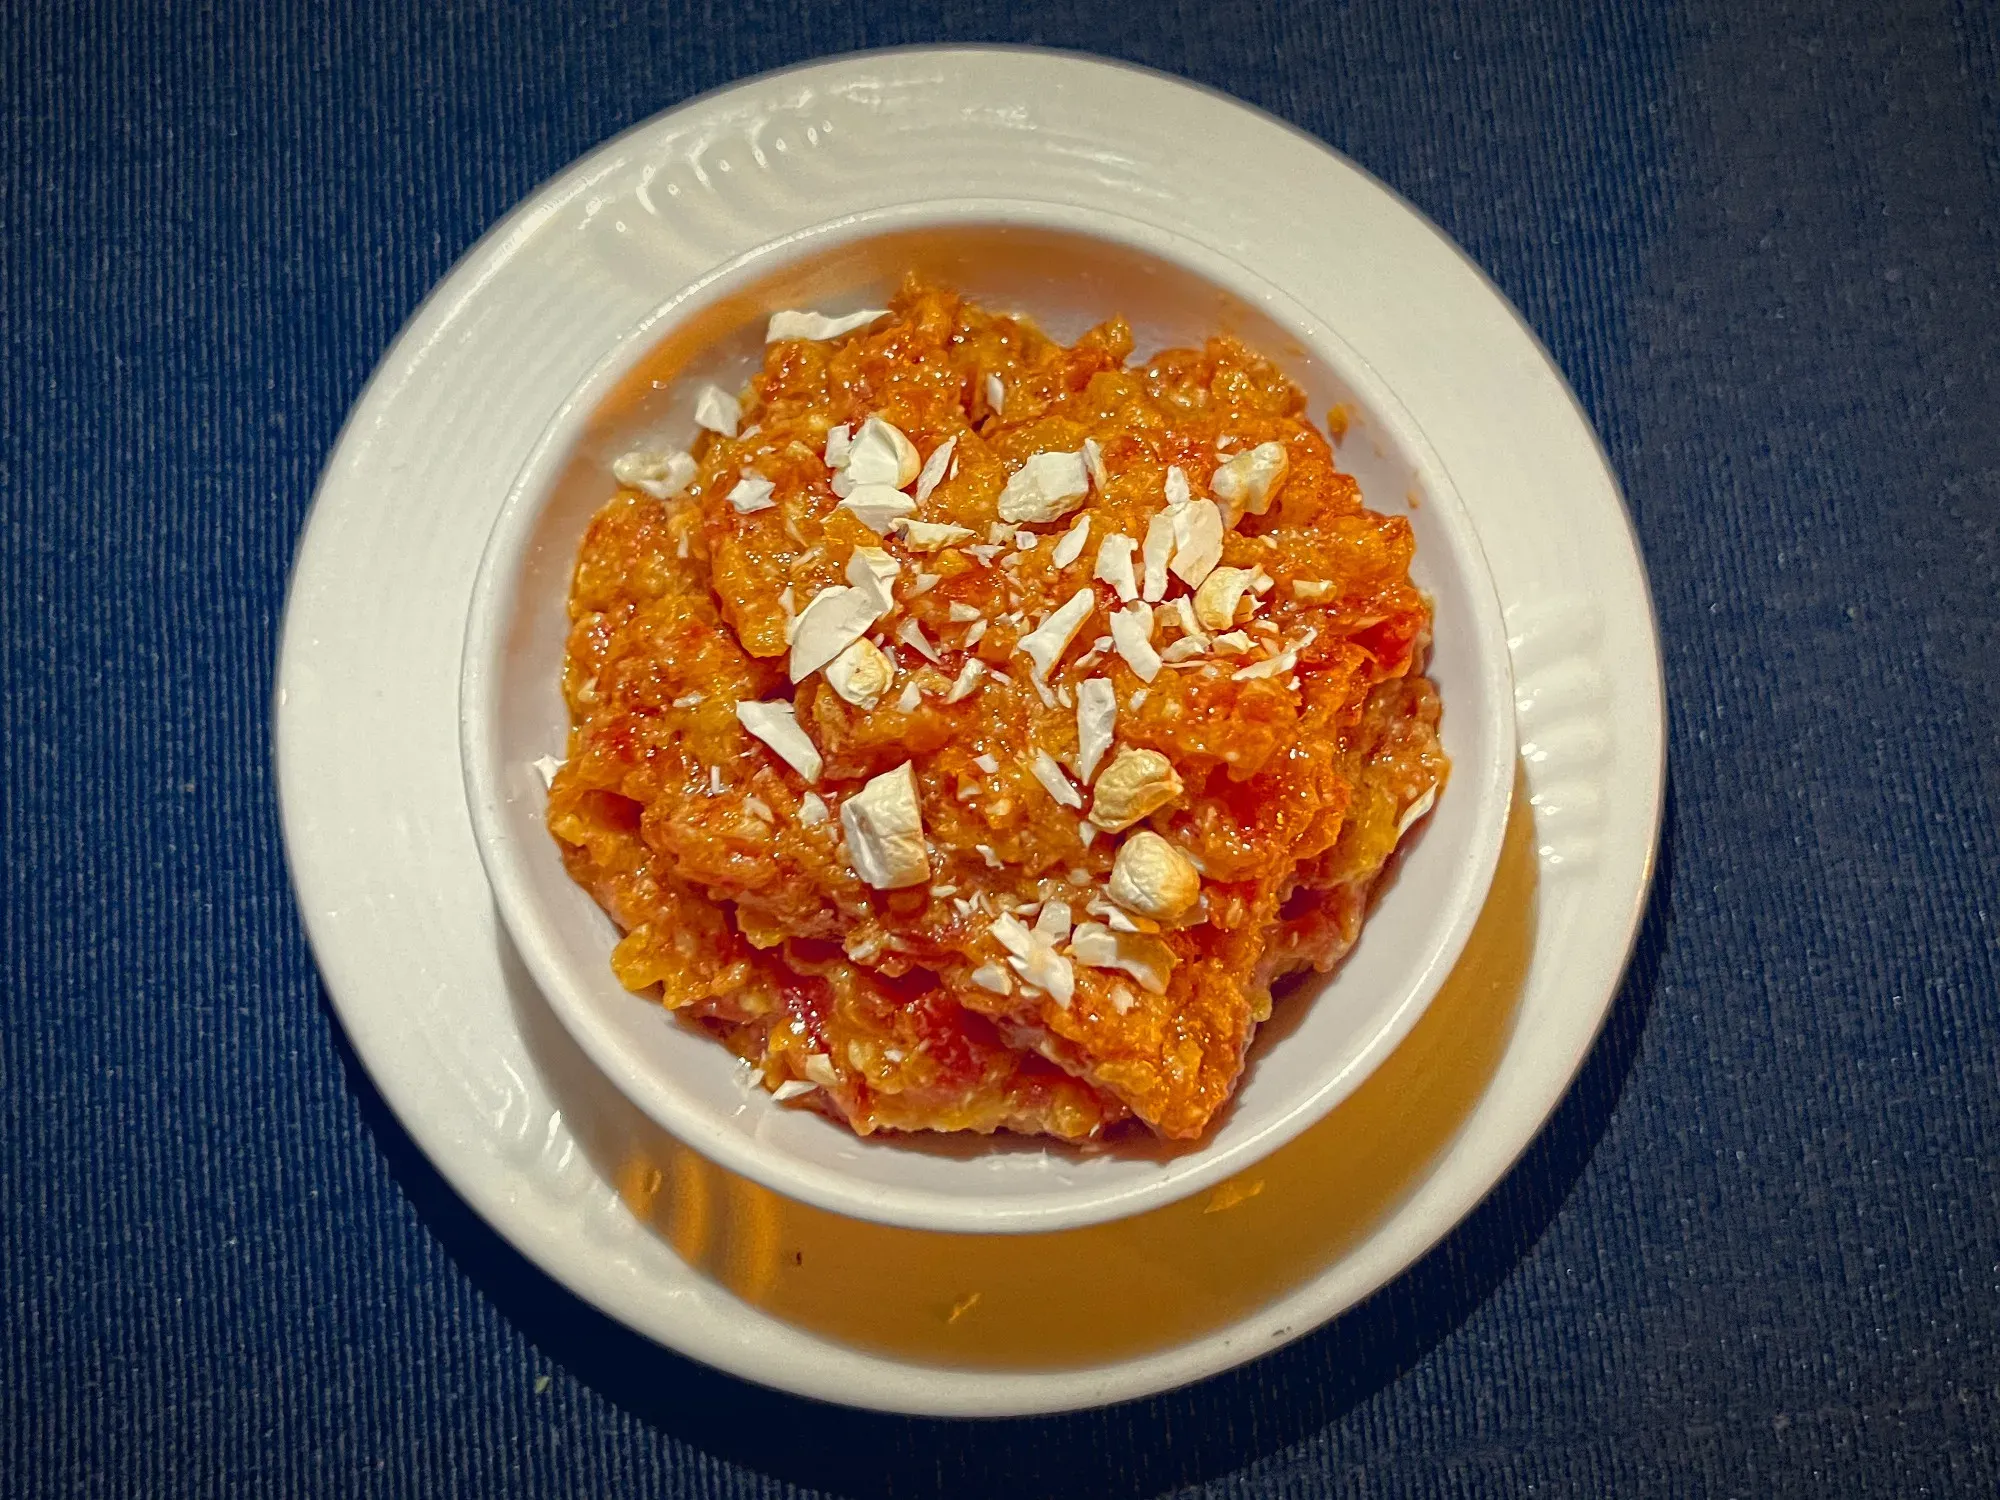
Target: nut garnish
point(1045, 644)
point(1132, 638)
point(1096, 722)
point(884, 825)
point(1220, 595)
point(1153, 878)
point(1146, 959)
point(752, 493)
point(717, 410)
point(935, 467)
point(1136, 783)
point(1247, 482)
point(881, 454)
point(1114, 566)
point(929, 536)
point(1070, 546)
point(861, 674)
point(836, 618)
point(812, 325)
point(1155, 553)
point(777, 725)
point(1093, 463)
point(877, 506)
point(1050, 774)
point(661, 474)
point(967, 680)
point(1197, 540)
point(1045, 488)
point(1031, 951)
point(992, 977)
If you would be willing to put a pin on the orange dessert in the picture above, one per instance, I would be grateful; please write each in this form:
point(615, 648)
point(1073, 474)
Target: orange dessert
point(974, 727)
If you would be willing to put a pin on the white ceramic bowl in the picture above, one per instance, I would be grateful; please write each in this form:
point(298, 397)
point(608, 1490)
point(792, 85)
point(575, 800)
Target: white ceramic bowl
point(1067, 268)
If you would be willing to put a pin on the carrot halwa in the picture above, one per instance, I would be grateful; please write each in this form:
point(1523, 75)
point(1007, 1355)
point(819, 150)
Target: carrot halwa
point(971, 730)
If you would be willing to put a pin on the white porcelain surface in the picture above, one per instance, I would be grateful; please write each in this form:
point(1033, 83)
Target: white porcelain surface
point(385, 864)
point(1068, 268)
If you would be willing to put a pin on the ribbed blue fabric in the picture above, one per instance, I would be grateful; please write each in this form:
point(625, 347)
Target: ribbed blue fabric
point(1756, 1251)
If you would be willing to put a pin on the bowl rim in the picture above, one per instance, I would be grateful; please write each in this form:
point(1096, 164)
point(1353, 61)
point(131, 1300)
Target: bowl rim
point(493, 605)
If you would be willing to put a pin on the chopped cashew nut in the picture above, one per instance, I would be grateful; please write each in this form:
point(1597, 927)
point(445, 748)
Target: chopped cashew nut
point(911, 634)
point(877, 506)
point(1311, 590)
point(1276, 666)
point(752, 492)
point(1114, 566)
point(1158, 548)
point(661, 475)
point(812, 325)
point(777, 725)
point(861, 674)
point(933, 471)
point(968, 679)
point(1197, 540)
point(882, 454)
point(996, 394)
point(1220, 595)
point(812, 810)
point(1153, 878)
point(1146, 959)
point(820, 1069)
point(838, 441)
point(929, 536)
point(1416, 809)
point(1096, 723)
point(717, 410)
point(1136, 783)
point(1132, 638)
point(1246, 483)
point(868, 563)
point(836, 618)
point(884, 825)
point(1054, 782)
point(1045, 488)
point(1093, 463)
point(1045, 644)
point(1032, 955)
point(1070, 547)
point(992, 977)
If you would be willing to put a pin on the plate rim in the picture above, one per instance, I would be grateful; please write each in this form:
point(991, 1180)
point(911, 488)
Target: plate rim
point(1040, 1391)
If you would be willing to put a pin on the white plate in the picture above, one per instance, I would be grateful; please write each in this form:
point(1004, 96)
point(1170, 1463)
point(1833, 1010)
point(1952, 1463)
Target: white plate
point(464, 1049)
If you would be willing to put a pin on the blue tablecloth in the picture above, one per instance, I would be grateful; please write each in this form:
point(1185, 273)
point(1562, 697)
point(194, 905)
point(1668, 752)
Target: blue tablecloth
point(1756, 1251)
